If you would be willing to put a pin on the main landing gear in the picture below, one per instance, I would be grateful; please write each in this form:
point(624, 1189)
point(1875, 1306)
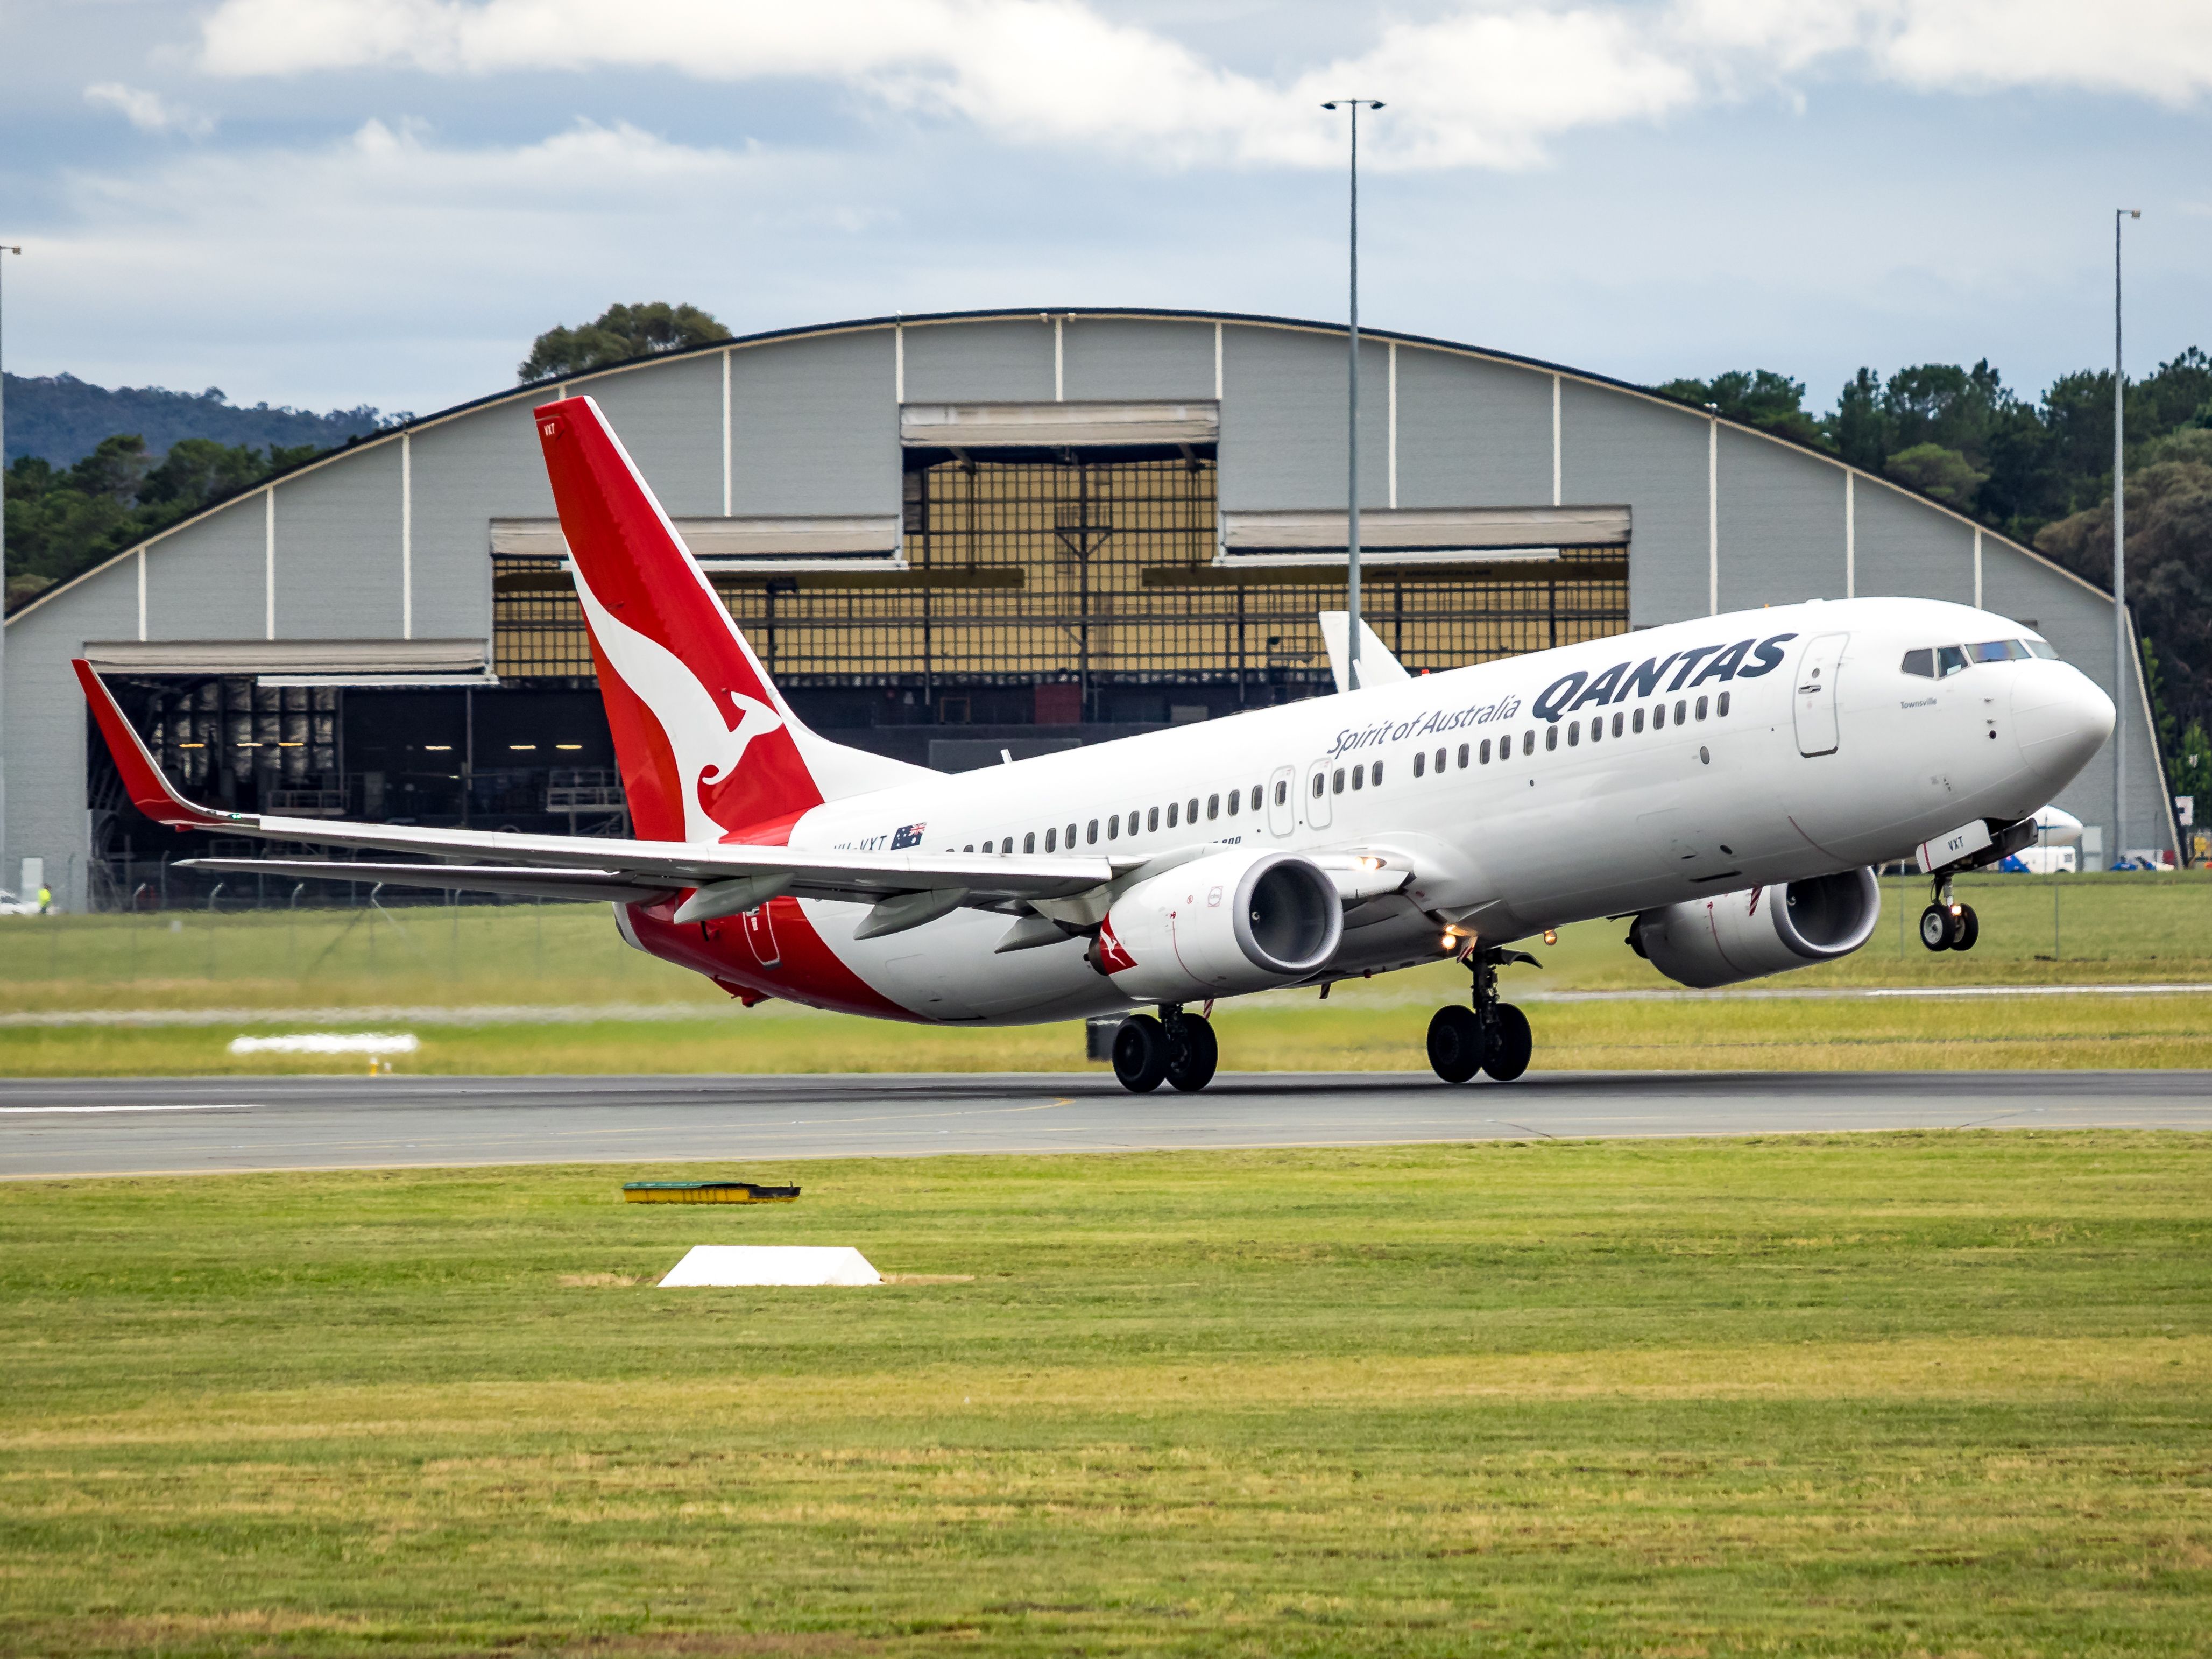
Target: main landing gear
point(1490, 1036)
point(1946, 924)
point(1178, 1048)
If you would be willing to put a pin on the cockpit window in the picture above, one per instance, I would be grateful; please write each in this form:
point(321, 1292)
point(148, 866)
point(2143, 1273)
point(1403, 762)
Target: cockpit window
point(2041, 648)
point(1949, 659)
point(1998, 651)
point(1922, 663)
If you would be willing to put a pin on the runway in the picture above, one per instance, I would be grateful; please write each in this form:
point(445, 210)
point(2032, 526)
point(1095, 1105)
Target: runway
point(188, 1125)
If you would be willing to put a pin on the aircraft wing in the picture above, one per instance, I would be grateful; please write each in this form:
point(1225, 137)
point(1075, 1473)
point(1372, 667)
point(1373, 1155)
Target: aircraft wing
point(590, 866)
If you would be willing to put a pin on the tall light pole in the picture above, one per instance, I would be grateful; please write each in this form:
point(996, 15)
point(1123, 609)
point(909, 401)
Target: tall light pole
point(2120, 653)
point(5, 249)
point(1352, 422)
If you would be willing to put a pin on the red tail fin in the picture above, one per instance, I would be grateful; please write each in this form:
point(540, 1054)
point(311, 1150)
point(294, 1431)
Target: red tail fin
point(149, 791)
point(706, 743)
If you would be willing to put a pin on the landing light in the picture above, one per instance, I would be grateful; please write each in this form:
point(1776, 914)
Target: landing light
point(1367, 862)
point(1551, 936)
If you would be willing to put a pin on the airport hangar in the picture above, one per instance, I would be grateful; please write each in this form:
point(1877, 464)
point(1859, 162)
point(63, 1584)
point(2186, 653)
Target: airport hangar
point(947, 536)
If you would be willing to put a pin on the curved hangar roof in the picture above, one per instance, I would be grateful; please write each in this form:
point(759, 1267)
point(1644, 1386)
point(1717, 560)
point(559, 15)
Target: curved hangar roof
point(373, 559)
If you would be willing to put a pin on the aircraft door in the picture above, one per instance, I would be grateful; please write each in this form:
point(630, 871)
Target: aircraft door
point(1316, 805)
point(1816, 694)
point(1283, 801)
point(760, 936)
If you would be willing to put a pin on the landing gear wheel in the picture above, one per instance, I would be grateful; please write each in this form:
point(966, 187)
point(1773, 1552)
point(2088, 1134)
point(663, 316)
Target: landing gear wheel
point(1511, 1044)
point(1966, 928)
point(1935, 927)
point(1456, 1043)
point(1140, 1053)
point(1191, 1053)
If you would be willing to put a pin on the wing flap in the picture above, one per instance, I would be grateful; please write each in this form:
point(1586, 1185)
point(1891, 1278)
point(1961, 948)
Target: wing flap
point(552, 883)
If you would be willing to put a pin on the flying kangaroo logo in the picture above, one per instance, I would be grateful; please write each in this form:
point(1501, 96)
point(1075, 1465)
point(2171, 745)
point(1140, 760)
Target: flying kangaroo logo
point(708, 749)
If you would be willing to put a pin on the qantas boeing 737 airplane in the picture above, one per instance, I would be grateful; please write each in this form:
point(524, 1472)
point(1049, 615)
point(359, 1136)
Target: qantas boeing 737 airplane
point(1724, 786)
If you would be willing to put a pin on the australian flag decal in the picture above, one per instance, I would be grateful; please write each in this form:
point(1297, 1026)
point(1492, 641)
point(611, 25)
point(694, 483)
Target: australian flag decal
point(909, 836)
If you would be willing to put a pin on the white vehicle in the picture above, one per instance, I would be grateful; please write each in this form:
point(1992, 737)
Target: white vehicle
point(1722, 784)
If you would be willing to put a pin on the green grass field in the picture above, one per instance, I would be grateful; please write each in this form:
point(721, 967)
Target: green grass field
point(2091, 929)
point(1910, 1394)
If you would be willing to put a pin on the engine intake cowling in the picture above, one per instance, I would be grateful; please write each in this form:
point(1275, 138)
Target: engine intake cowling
point(1759, 930)
point(1229, 922)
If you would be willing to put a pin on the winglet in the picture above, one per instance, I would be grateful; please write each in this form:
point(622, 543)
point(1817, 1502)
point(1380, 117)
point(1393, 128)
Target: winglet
point(149, 791)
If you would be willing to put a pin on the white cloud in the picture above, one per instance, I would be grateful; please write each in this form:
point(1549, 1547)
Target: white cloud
point(1486, 85)
point(145, 110)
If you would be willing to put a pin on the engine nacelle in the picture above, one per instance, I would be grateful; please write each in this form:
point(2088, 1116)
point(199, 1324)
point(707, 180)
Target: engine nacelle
point(1760, 930)
point(1232, 922)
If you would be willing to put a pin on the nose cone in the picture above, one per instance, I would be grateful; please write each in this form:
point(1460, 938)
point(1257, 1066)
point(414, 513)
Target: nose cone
point(2060, 719)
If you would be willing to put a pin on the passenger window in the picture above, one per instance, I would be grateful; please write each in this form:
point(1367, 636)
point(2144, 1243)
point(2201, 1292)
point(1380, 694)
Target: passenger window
point(1637, 723)
point(1336, 781)
point(1090, 838)
point(1617, 720)
point(1190, 809)
point(1597, 728)
point(1658, 716)
point(1574, 733)
point(1255, 797)
point(970, 847)
point(1551, 737)
point(1680, 708)
point(1950, 660)
point(1922, 662)
point(1007, 847)
point(1113, 828)
point(1318, 782)
point(1212, 807)
point(1377, 775)
point(1051, 840)
point(1441, 757)
point(1485, 752)
point(1358, 777)
point(1282, 792)
point(1701, 708)
point(1175, 813)
point(1721, 705)
point(1527, 743)
point(1152, 820)
point(1462, 755)
point(1420, 762)
point(1235, 799)
point(1070, 837)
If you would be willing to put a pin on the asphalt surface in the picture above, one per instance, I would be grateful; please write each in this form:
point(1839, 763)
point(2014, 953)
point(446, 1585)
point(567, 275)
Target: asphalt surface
point(183, 1124)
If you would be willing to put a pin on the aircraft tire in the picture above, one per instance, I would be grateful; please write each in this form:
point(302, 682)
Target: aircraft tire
point(1966, 928)
point(1935, 928)
point(1512, 1044)
point(1140, 1053)
point(1191, 1062)
point(1456, 1043)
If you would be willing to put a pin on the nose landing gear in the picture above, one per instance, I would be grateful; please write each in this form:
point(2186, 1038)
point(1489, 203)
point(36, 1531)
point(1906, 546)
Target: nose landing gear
point(1490, 1036)
point(1178, 1048)
point(1948, 925)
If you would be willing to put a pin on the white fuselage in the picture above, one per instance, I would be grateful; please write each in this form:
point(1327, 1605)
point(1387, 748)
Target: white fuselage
point(1807, 773)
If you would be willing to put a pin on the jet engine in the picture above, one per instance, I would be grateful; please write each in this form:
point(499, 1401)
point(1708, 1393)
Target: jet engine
point(1237, 920)
point(1759, 930)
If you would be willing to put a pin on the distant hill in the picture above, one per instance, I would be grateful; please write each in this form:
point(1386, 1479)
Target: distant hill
point(61, 419)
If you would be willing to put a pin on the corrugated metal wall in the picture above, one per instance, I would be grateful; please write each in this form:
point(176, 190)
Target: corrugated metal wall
point(812, 425)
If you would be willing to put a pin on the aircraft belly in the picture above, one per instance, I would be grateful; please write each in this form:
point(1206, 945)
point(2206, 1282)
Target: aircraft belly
point(947, 971)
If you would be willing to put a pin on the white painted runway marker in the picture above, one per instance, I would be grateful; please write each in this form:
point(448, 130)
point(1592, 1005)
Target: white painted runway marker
point(706, 1265)
point(179, 1106)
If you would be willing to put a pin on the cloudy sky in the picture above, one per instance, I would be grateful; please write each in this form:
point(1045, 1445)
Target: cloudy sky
point(332, 202)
